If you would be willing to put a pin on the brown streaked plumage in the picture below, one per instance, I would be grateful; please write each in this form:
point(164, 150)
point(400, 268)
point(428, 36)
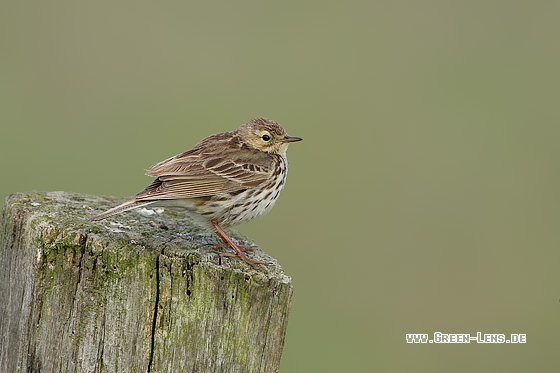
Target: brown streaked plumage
point(226, 179)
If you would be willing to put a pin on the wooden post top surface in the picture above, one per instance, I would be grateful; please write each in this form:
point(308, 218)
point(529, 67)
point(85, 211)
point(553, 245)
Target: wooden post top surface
point(149, 228)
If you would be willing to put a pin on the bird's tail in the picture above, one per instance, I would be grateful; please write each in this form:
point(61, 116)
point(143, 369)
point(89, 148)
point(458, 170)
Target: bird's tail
point(130, 205)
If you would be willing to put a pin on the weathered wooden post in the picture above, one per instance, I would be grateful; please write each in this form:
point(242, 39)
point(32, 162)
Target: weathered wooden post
point(134, 293)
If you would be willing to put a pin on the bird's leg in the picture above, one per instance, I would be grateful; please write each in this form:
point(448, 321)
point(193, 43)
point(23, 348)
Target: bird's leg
point(238, 252)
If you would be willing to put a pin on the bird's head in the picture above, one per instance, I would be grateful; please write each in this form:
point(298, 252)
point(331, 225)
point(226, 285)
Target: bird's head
point(266, 135)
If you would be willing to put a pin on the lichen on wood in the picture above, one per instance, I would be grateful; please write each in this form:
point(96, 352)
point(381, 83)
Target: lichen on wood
point(138, 292)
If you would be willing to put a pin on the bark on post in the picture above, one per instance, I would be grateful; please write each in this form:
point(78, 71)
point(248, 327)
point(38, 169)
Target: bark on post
point(134, 293)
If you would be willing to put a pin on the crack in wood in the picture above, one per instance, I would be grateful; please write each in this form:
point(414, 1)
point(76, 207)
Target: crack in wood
point(155, 316)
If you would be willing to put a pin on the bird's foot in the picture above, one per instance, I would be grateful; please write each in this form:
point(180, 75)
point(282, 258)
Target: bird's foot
point(239, 253)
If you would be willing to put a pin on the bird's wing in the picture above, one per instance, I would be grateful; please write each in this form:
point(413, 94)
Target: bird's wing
point(196, 174)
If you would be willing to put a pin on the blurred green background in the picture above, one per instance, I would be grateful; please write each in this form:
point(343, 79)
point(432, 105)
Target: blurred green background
point(423, 198)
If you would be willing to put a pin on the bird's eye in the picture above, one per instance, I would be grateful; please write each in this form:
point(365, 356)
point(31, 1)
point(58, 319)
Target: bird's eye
point(266, 137)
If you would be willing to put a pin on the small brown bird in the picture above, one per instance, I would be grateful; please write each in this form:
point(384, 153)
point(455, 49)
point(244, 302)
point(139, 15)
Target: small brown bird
point(225, 180)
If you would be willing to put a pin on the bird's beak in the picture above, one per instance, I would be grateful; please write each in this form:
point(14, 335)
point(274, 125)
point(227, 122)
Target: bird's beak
point(291, 139)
